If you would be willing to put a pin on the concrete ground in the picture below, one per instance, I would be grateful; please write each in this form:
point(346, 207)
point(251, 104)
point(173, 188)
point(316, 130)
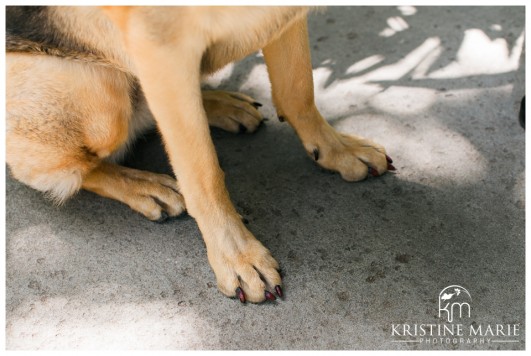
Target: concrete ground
point(439, 87)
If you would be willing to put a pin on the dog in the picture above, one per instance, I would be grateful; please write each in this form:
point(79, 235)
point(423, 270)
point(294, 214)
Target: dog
point(83, 82)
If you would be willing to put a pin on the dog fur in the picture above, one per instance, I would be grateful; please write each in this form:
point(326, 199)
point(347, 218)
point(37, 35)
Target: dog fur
point(79, 80)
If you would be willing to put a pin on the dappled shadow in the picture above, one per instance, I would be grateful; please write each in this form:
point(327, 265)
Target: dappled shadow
point(397, 39)
point(343, 50)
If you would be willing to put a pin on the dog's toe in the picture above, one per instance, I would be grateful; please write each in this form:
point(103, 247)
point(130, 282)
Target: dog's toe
point(156, 196)
point(354, 157)
point(252, 284)
point(245, 270)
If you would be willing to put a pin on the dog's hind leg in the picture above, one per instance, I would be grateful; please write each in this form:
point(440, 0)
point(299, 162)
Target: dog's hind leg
point(64, 121)
point(289, 66)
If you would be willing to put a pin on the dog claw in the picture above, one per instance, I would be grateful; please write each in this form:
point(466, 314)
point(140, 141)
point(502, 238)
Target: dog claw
point(242, 128)
point(256, 104)
point(240, 294)
point(278, 289)
point(389, 160)
point(270, 296)
point(316, 154)
point(390, 167)
point(163, 217)
point(281, 118)
point(373, 172)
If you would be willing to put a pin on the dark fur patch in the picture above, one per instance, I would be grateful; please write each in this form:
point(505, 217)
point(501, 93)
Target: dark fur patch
point(136, 94)
point(29, 23)
point(33, 29)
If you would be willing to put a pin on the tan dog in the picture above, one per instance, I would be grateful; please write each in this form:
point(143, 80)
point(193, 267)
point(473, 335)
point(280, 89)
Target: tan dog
point(78, 84)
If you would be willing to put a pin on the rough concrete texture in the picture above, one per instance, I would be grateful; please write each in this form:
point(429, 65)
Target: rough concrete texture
point(435, 86)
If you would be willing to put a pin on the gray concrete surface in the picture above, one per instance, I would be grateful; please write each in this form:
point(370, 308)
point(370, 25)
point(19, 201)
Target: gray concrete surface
point(435, 86)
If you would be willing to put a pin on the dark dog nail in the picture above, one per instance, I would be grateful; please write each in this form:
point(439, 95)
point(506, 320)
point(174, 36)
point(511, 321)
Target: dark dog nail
point(270, 296)
point(163, 218)
point(315, 154)
point(256, 104)
point(281, 119)
point(390, 167)
point(243, 129)
point(373, 172)
point(389, 160)
point(279, 291)
point(245, 221)
point(240, 294)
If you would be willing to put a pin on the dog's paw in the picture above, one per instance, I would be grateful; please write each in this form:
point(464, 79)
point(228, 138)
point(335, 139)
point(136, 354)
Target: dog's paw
point(244, 268)
point(352, 156)
point(156, 196)
point(230, 111)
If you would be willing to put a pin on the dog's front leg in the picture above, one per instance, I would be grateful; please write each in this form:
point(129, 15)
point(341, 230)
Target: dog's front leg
point(290, 70)
point(167, 60)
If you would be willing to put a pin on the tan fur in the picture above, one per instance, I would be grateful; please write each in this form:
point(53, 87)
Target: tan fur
point(87, 120)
